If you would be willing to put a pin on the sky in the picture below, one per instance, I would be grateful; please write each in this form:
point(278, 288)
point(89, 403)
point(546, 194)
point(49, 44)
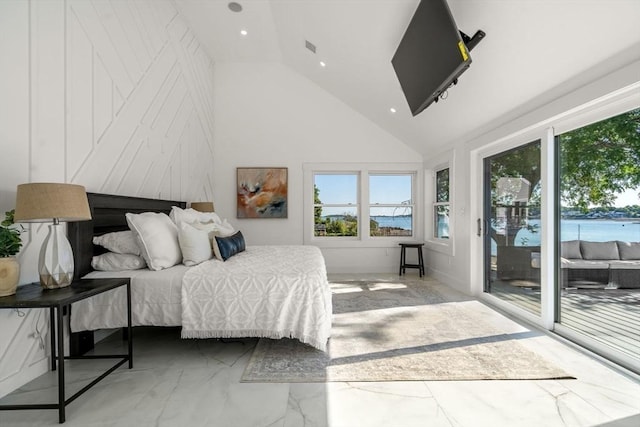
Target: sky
point(628, 198)
point(384, 189)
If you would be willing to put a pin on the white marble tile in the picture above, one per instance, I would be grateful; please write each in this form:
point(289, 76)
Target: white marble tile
point(196, 383)
point(307, 405)
point(403, 404)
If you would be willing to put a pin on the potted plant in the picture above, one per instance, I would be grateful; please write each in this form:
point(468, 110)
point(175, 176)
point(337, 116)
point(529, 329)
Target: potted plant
point(10, 244)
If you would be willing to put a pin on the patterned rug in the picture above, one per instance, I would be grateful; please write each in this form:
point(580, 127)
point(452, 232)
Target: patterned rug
point(401, 331)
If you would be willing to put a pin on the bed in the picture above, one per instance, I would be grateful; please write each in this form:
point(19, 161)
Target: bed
point(265, 291)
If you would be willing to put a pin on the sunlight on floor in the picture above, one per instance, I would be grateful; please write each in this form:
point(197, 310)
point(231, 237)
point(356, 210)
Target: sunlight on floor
point(346, 287)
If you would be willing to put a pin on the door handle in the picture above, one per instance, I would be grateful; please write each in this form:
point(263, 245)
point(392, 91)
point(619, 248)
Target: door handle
point(480, 231)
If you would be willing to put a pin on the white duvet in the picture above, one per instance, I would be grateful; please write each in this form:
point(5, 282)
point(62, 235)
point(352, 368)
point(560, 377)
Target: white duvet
point(266, 291)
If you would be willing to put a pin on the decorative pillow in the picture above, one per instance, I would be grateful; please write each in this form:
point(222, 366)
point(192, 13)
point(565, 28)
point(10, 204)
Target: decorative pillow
point(227, 247)
point(194, 243)
point(157, 237)
point(224, 229)
point(599, 250)
point(571, 249)
point(190, 216)
point(112, 261)
point(120, 242)
point(629, 250)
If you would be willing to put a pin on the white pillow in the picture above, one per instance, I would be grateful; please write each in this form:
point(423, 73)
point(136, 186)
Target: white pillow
point(112, 261)
point(224, 229)
point(194, 243)
point(157, 237)
point(190, 216)
point(120, 242)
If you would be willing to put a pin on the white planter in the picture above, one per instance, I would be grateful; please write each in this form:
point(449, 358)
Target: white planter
point(9, 276)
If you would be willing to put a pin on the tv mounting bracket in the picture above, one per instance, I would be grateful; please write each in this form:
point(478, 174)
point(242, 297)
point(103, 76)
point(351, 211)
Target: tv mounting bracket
point(471, 42)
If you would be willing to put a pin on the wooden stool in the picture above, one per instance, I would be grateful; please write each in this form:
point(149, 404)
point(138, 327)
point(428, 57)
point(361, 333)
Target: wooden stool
point(403, 258)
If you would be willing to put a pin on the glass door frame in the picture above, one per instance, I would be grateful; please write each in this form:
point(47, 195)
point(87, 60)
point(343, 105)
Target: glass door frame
point(478, 242)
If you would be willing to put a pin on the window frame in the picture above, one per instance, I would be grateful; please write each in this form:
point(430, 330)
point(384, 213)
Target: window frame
point(439, 163)
point(357, 205)
point(436, 204)
point(364, 170)
point(394, 205)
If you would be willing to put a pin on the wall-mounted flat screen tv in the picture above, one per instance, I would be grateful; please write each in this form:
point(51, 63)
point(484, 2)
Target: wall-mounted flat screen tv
point(431, 55)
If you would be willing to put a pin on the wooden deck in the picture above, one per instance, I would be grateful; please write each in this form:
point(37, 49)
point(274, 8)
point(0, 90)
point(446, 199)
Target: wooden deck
point(611, 316)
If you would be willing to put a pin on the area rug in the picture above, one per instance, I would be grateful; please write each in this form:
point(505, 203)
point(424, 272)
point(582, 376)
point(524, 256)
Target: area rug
point(399, 331)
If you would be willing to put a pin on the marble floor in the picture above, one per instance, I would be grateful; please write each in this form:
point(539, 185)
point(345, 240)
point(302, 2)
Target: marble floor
point(178, 382)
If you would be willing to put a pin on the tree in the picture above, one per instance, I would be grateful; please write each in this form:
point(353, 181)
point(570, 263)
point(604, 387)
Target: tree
point(600, 160)
point(522, 162)
point(317, 210)
point(597, 162)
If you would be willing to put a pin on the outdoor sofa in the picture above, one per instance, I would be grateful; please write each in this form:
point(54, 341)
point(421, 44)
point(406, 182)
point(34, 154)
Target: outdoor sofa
point(614, 264)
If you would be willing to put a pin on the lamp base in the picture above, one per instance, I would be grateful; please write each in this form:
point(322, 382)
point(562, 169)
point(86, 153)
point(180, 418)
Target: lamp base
point(56, 260)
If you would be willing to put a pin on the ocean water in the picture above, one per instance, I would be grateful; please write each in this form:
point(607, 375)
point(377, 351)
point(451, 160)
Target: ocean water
point(593, 230)
point(400, 221)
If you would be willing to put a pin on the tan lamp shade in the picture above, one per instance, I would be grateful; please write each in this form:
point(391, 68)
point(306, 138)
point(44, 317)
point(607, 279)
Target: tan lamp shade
point(53, 202)
point(43, 201)
point(202, 206)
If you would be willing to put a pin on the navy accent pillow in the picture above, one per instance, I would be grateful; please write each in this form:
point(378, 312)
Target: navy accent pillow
point(231, 245)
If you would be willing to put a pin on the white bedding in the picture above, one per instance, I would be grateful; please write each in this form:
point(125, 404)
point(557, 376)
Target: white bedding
point(155, 301)
point(266, 291)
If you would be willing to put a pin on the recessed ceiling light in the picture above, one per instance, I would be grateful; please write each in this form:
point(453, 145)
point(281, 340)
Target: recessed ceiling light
point(393, 110)
point(323, 64)
point(243, 32)
point(234, 7)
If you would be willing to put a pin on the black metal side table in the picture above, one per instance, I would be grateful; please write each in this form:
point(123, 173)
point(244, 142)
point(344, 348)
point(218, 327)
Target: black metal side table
point(403, 258)
point(34, 296)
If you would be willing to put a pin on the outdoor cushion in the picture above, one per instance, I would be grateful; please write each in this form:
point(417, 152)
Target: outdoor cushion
point(586, 264)
point(629, 250)
point(571, 249)
point(625, 265)
point(599, 250)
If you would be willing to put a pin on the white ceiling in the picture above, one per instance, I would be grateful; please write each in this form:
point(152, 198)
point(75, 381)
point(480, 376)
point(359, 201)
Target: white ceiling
point(534, 52)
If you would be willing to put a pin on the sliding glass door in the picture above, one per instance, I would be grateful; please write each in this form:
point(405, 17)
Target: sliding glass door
point(599, 230)
point(512, 227)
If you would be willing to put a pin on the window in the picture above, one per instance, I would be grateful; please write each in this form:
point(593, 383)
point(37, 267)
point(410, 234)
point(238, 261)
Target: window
point(357, 204)
point(390, 205)
point(441, 206)
point(335, 204)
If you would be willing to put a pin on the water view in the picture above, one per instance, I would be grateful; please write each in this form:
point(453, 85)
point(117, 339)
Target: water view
point(593, 230)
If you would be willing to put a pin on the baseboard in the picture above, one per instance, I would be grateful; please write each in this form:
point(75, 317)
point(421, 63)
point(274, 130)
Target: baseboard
point(449, 280)
point(24, 376)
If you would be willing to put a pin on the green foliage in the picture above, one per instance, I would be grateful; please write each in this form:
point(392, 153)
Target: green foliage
point(600, 160)
point(597, 162)
point(345, 226)
point(10, 242)
point(317, 210)
point(442, 185)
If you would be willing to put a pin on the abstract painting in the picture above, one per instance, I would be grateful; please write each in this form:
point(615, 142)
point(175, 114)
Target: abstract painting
point(262, 192)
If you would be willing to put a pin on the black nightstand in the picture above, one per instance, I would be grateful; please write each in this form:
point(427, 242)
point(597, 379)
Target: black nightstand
point(34, 296)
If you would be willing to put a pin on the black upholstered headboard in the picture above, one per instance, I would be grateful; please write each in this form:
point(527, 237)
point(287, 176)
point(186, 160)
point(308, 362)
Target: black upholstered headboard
point(107, 213)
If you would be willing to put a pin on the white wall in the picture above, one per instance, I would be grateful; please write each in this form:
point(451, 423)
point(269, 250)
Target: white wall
point(462, 270)
point(112, 95)
point(269, 115)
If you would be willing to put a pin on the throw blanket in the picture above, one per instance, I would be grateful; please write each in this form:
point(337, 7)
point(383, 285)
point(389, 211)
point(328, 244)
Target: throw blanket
point(265, 291)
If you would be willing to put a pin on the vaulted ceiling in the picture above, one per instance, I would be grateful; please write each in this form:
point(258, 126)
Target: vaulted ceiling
point(534, 52)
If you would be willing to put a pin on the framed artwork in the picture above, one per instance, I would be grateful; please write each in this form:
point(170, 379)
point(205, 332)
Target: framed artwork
point(261, 192)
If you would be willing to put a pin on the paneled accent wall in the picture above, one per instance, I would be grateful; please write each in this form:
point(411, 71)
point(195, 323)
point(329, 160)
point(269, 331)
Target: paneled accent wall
point(113, 95)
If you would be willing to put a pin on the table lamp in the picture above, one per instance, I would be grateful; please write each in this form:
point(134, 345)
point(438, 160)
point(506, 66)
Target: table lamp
point(53, 202)
point(202, 206)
